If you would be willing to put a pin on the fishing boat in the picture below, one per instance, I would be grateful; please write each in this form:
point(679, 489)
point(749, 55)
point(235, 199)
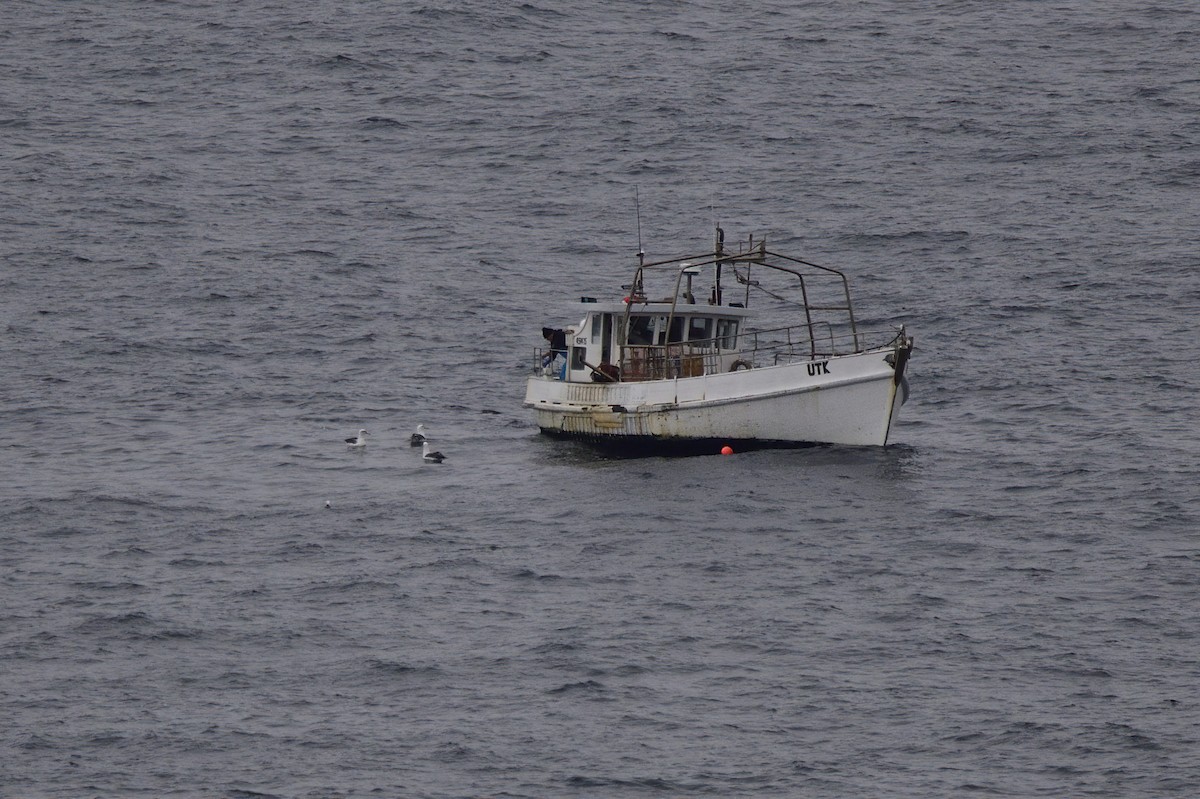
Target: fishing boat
point(702, 368)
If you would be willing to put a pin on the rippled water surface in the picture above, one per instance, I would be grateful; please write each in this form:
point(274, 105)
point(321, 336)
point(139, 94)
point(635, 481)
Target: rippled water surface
point(233, 234)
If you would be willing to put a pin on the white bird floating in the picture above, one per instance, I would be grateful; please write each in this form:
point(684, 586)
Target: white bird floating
point(431, 457)
point(358, 441)
point(418, 438)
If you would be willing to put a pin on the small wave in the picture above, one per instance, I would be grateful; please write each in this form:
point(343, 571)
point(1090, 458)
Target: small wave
point(402, 669)
point(108, 499)
point(136, 625)
point(448, 563)
point(540, 11)
point(132, 551)
point(194, 563)
point(540, 55)
point(675, 36)
point(382, 122)
point(656, 784)
point(349, 586)
point(107, 586)
point(554, 647)
point(527, 574)
point(451, 752)
point(585, 687)
point(345, 62)
point(941, 236)
point(36, 742)
point(62, 532)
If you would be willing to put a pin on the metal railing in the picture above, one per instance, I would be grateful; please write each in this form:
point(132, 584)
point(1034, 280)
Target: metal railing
point(759, 348)
point(769, 347)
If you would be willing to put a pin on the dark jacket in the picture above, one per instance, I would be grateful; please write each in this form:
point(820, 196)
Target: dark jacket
point(557, 339)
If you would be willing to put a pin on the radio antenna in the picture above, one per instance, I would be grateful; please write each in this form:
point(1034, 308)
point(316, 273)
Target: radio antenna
point(637, 206)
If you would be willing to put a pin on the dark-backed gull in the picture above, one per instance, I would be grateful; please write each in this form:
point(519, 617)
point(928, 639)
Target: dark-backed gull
point(431, 457)
point(418, 438)
point(358, 441)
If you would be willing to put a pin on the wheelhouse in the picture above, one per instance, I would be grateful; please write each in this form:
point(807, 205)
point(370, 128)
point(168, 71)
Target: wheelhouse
point(634, 341)
point(679, 336)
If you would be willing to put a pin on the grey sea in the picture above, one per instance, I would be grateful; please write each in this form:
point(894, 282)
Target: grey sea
point(232, 234)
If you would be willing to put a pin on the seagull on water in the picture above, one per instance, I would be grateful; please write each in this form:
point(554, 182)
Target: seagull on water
point(358, 441)
point(418, 438)
point(431, 457)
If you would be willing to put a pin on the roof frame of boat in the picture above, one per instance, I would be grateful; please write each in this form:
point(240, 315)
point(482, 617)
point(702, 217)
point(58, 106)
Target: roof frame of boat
point(755, 253)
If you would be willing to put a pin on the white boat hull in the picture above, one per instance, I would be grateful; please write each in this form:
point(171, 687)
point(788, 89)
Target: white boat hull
point(849, 399)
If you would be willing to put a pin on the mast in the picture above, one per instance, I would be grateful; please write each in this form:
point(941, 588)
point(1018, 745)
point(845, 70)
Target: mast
point(718, 253)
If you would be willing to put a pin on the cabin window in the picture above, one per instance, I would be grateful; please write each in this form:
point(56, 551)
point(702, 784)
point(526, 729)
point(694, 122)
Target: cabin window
point(727, 330)
point(639, 330)
point(676, 332)
point(647, 330)
point(596, 326)
point(578, 357)
point(700, 328)
point(606, 339)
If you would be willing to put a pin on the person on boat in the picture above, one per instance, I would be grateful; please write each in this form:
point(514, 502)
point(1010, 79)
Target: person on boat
point(558, 349)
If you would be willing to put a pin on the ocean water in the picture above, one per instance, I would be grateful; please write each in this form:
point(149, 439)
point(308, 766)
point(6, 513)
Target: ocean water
point(233, 234)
